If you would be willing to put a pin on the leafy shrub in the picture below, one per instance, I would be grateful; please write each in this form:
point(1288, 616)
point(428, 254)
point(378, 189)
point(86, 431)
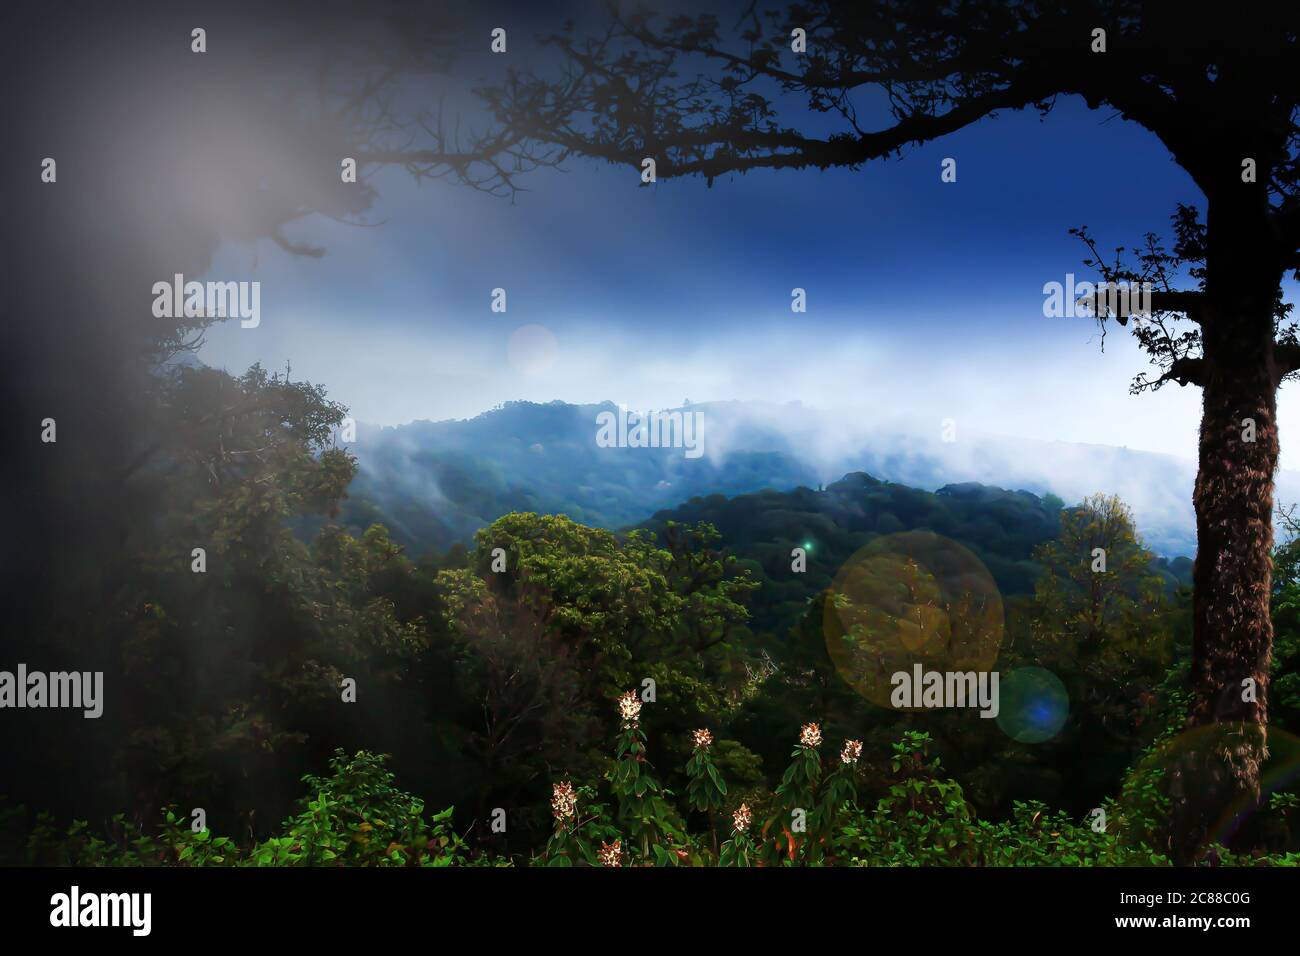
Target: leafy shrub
point(356, 816)
point(924, 820)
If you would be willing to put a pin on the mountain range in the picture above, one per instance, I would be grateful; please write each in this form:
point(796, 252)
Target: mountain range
point(435, 483)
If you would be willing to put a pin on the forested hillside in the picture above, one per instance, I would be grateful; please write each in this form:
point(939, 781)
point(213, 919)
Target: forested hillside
point(1002, 528)
point(433, 484)
point(491, 676)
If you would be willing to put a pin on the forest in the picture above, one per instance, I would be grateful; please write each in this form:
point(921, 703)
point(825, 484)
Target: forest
point(557, 694)
point(285, 660)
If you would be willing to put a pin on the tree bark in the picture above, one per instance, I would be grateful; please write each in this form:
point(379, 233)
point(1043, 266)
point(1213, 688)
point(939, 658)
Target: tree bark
point(1215, 779)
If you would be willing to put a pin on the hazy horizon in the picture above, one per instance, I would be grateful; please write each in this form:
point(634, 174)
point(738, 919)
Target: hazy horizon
point(922, 296)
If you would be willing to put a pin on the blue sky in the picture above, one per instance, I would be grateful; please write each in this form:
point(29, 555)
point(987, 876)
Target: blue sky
point(924, 298)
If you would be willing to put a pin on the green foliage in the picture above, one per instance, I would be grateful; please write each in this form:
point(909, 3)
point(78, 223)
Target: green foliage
point(924, 820)
point(1098, 598)
point(738, 851)
point(573, 841)
point(921, 820)
point(644, 810)
point(232, 660)
point(551, 619)
point(793, 833)
point(356, 816)
point(706, 789)
point(479, 680)
point(1284, 671)
point(1002, 528)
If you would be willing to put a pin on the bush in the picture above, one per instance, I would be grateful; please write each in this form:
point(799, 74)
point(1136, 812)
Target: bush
point(353, 817)
point(356, 816)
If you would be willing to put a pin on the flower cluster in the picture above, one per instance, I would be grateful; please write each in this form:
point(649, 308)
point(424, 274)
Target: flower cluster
point(629, 708)
point(852, 751)
point(564, 802)
point(703, 739)
point(810, 736)
point(611, 854)
point(740, 819)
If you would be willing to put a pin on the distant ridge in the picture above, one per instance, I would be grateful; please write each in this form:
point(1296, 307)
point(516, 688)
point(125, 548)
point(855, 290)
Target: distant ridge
point(435, 483)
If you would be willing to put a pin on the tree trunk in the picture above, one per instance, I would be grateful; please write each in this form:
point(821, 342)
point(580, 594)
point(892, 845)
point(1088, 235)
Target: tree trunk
point(1215, 779)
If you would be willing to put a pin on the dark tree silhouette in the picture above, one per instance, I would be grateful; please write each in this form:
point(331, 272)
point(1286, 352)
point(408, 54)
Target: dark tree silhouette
point(708, 95)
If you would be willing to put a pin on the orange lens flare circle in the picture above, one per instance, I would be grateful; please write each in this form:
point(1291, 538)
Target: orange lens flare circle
point(911, 598)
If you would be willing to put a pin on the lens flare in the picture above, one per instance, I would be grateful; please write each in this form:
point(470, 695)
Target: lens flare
point(911, 598)
point(531, 349)
point(1034, 705)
